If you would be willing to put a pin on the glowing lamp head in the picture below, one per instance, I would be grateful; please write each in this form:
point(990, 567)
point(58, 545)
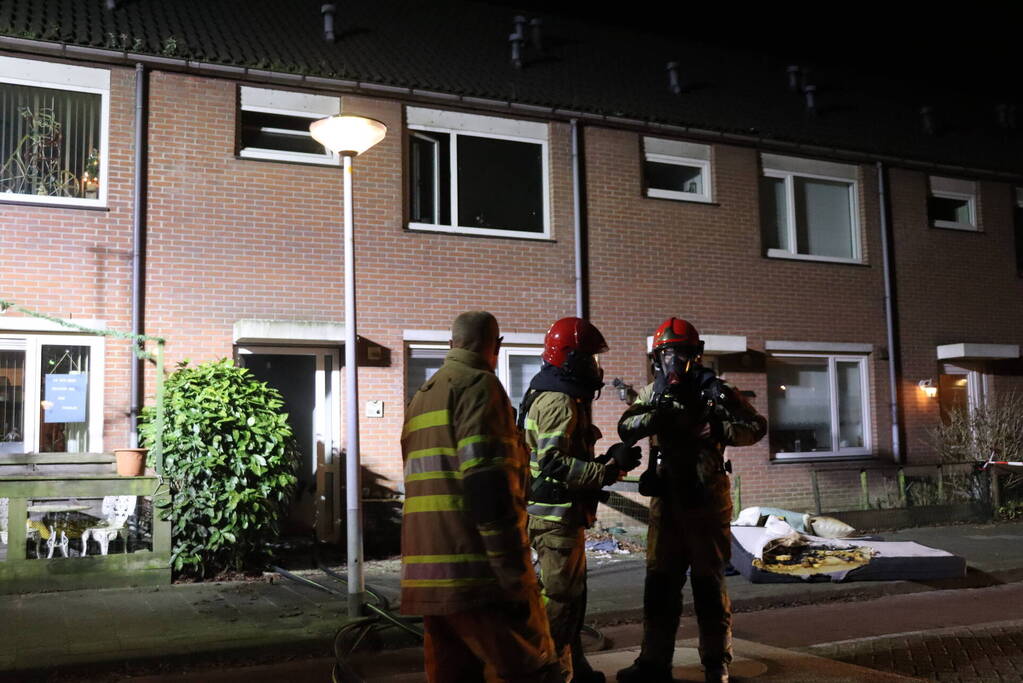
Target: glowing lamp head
point(927, 386)
point(347, 135)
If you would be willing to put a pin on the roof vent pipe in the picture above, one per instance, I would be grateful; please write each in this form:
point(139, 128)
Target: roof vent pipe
point(793, 72)
point(810, 93)
point(927, 119)
point(328, 21)
point(1006, 114)
point(674, 85)
point(516, 40)
point(536, 34)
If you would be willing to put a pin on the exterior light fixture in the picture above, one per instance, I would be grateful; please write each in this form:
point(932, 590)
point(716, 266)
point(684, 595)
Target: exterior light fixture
point(927, 386)
point(350, 136)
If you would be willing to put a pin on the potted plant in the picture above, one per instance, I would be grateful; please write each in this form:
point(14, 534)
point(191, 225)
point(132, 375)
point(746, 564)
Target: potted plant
point(131, 462)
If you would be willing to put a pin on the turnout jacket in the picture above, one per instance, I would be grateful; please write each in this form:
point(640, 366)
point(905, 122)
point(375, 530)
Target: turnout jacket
point(458, 426)
point(693, 467)
point(560, 435)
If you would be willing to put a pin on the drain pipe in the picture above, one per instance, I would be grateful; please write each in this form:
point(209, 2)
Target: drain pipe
point(577, 210)
point(887, 243)
point(137, 247)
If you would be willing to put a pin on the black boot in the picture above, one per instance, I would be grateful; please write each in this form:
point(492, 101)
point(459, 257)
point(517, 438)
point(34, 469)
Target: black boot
point(716, 674)
point(641, 672)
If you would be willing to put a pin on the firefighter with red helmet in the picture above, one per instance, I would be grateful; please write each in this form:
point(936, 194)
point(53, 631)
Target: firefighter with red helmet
point(690, 416)
point(566, 478)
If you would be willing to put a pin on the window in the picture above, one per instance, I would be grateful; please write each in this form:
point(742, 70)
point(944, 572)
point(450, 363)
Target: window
point(275, 125)
point(51, 394)
point(809, 209)
point(516, 366)
point(1018, 219)
point(818, 405)
point(676, 170)
point(952, 203)
point(53, 133)
point(478, 175)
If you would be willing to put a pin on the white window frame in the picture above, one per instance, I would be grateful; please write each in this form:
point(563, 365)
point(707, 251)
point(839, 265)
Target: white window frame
point(502, 370)
point(496, 128)
point(959, 190)
point(32, 345)
point(788, 169)
point(679, 153)
point(39, 74)
point(287, 103)
point(836, 451)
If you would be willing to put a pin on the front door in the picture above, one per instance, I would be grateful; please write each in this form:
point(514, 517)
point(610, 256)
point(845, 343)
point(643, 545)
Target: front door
point(962, 387)
point(309, 382)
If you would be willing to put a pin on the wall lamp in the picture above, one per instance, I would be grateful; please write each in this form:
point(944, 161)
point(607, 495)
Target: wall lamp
point(927, 386)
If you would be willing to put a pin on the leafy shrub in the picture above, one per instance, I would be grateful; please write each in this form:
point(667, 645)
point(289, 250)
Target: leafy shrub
point(230, 458)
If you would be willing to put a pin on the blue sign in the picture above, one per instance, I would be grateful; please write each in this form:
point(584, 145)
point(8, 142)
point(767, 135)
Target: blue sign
point(65, 398)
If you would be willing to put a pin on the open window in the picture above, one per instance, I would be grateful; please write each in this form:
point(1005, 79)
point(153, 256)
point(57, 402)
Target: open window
point(952, 203)
point(54, 122)
point(274, 125)
point(673, 169)
point(478, 175)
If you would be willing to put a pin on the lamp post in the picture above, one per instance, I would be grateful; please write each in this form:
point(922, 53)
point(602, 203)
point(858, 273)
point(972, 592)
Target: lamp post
point(350, 136)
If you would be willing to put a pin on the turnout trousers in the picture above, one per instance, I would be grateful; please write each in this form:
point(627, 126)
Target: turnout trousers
point(697, 540)
point(493, 644)
point(561, 550)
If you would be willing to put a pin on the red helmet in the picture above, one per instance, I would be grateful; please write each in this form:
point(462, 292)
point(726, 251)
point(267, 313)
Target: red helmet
point(568, 335)
point(678, 332)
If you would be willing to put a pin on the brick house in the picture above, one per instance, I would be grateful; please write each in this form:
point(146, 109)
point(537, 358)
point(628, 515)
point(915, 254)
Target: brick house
point(787, 224)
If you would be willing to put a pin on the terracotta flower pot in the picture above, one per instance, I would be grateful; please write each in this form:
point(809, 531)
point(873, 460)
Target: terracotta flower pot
point(131, 462)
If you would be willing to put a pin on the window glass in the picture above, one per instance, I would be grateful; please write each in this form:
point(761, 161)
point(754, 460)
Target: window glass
point(850, 405)
point(521, 369)
point(64, 408)
point(800, 405)
point(500, 184)
point(422, 364)
point(823, 219)
point(12, 401)
point(674, 177)
point(1019, 238)
point(953, 394)
point(949, 210)
point(774, 213)
point(50, 142)
point(262, 130)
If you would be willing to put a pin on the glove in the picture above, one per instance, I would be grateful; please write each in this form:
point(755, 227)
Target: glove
point(625, 457)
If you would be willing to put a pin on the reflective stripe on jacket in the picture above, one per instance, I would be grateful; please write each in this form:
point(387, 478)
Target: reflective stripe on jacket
point(457, 425)
point(560, 435)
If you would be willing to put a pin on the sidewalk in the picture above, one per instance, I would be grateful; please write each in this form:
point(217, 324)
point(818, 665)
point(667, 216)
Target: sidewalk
point(42, 631)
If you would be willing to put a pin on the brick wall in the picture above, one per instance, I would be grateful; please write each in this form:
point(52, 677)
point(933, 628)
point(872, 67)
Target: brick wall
point(231, 238)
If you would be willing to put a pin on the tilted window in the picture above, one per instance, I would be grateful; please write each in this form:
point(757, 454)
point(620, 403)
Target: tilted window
point(808, 209)
point(952, 203)
point(53, 133)
point(275, 125)
point(673, 169)
point(477, 174)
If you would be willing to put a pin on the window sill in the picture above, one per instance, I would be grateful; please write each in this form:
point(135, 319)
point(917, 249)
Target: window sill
point(961, 227)
point(818, 458)
point(479, 232)
point(790, 256)
point(652, 193)
point(53, 202)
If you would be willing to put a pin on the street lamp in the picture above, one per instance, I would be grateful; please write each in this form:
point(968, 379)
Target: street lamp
point(350, 136)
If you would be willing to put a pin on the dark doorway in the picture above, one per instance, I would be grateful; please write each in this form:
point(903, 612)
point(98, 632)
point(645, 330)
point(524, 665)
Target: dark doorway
point(295, 377)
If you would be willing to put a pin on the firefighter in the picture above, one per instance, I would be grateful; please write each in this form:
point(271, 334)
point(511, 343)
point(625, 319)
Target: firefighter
point(566, 479)
point(465, 556)
point(691, 416)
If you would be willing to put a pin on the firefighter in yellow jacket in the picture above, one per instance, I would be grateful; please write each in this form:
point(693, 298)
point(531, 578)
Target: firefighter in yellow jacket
point(691, 416)
point(566, 478)
point(465, 557)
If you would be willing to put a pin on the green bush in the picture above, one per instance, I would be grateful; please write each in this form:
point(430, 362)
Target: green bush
point(230, 458)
